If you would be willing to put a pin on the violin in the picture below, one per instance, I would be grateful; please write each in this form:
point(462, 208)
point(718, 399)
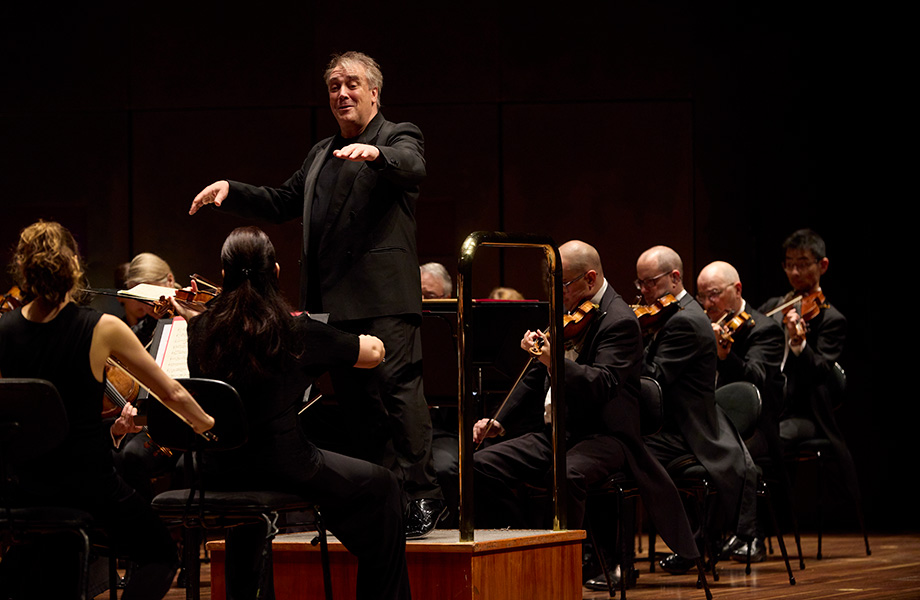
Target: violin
point(808, 306)
point(735, 322)
point(122, 389)
point(11, 300)
point(119, 390)
point(574, 326)
point(652, 316)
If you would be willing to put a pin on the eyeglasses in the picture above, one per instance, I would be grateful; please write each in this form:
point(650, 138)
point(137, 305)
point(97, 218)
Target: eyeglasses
point(711, 295)
point(800, 264)
point(641, 283)
point(566, 284)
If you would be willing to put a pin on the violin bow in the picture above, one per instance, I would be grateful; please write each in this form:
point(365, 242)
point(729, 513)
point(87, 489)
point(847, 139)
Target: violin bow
point(784, 305)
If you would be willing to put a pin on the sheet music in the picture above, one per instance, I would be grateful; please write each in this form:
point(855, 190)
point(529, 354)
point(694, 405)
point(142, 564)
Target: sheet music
point(172, 352)
point(146, 291)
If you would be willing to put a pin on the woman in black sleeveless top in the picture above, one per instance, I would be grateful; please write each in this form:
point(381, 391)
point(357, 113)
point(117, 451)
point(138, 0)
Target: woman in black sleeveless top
point(52, 338)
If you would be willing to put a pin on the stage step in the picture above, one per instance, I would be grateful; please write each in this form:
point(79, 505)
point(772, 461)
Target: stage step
point(497, 565)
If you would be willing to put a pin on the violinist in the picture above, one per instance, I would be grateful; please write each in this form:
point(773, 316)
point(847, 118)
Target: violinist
point(682, 357)
point(52, 338)
point(808, 363)
point(249, 338)
point(138, 460)
point(148, 268)
point(601, 379)
point(750, 348)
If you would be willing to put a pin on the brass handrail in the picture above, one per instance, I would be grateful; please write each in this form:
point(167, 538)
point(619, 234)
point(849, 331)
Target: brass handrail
point(466, 418)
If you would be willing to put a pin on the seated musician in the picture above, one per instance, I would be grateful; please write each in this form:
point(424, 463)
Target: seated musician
point(602, 391)
point(147, 268)
point(52, 338)
point(750, 348)
point(138, 460)
point(681, 355)
point(814, 342)
point(436, 283)
point(249, 338)
point(809, 359)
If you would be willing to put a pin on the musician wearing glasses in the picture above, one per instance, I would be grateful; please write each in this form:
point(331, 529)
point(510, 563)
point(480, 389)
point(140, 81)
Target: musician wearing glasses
point(808, 360)
point(750, 348)
point(682, 357)
point(602, 389)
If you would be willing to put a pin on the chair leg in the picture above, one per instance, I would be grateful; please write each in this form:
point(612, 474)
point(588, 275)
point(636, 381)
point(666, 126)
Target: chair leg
point(323, 552)
point(113, 575)
point(701, 578)
point(190, 551)
point(765, 492)
point(83, 576)
point(822, 487)
point(624, 551)
point(601, 560)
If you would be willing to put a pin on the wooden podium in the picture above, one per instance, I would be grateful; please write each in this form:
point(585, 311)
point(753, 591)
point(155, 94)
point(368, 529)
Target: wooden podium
point(498, 565)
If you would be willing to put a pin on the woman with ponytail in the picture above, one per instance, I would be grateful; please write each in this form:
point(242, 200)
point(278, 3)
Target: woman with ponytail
point(249, 338)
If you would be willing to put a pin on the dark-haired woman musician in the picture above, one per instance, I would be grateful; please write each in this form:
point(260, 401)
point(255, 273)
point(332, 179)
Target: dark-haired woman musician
point(249, 338)
point(52, 338)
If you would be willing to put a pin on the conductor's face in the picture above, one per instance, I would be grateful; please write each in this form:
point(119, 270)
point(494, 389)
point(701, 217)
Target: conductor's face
point(352, 101)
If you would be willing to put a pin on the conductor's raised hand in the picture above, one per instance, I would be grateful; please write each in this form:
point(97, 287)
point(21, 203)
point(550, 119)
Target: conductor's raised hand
point(213, 194)
point(358, 152)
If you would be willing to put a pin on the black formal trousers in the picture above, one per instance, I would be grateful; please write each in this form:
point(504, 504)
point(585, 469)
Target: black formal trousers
point(361, 507)
point(501, 468)
point(388, 417)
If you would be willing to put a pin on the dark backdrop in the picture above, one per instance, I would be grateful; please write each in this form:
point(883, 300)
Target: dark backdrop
point(713, 128)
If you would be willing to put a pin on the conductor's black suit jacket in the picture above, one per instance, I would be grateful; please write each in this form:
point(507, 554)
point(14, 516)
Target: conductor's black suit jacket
point(367, 259)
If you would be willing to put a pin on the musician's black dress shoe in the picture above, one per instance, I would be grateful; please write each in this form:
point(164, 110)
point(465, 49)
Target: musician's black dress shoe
point(599, 583)
point(758, 552)
point(676, 564)
point(422, 515)
point(729, 547)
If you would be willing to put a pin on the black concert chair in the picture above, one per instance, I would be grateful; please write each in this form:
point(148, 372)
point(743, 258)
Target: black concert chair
point(624, 487)
point(822, 450)
point(742, 402)
point(198, 509)
point(32, 423)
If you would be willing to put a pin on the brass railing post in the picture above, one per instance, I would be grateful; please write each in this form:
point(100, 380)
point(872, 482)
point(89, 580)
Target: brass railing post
point(466, 373)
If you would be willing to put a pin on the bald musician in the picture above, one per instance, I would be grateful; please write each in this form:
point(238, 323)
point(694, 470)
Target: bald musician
point(682, 357)
point(602, 388)
point(752, 352)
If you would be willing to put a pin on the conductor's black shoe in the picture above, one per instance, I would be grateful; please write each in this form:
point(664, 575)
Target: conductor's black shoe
point(422, 515)
point(758, 552)
point(676, 564)
point(599, 583)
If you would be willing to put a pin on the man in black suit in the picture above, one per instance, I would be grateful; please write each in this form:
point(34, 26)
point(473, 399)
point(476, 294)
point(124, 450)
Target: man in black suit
point(681, 356)
point(602, 390)
point(356, 193)
point(808, 362)
point(750, 352)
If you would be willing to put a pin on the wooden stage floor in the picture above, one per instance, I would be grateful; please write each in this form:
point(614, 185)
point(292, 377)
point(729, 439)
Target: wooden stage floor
point(891, 573)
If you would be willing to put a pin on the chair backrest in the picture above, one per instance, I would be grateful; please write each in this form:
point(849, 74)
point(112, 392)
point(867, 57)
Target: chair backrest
point(32, 418)
point(651, 407)
point(218, 399)
point(741, 402)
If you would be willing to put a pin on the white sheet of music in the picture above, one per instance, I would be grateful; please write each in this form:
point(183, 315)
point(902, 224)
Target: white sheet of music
point(172, 355)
